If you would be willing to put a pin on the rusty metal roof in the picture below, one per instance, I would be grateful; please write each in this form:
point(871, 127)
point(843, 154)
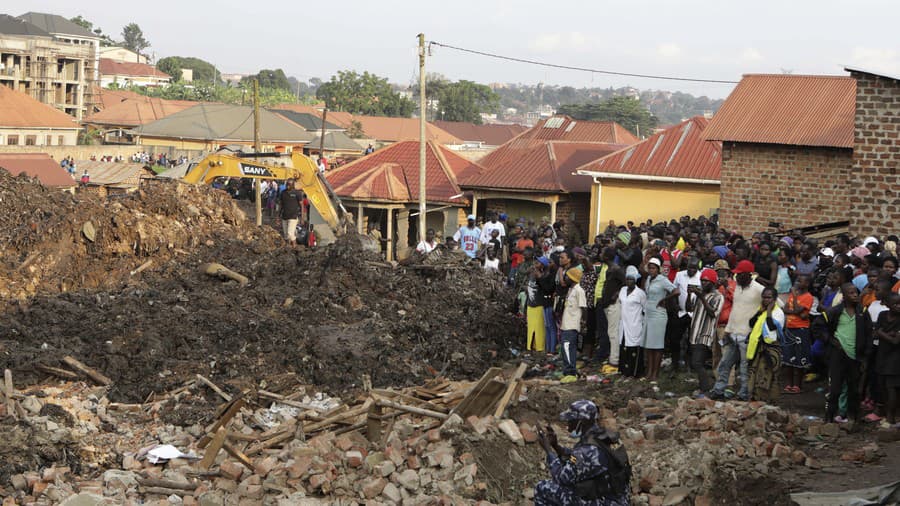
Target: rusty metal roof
point(788, 109)
point(676, 152)
point(39, 165)
point(391, 174)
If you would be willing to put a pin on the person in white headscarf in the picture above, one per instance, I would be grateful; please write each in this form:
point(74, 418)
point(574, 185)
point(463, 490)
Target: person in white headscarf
point(631, 325)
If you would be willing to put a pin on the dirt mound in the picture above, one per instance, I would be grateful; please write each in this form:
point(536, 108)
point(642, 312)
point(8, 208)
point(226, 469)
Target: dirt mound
point(332, 315)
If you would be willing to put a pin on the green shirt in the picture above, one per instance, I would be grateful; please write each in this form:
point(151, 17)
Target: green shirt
point(846, 333)
point(601, 280)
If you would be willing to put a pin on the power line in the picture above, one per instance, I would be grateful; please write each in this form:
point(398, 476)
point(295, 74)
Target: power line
point(581, 69)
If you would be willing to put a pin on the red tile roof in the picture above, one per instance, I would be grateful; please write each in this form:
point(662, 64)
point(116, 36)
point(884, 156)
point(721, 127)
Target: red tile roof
point(391, 174)
point(537, 165)
point(677, 152)
point(402, 129)
point(110, 67)
point(490, 135)
point(788, 109)
point(104, 97)
point(18, 110)
point(543, 157)
point(39, 165)
point(138, 111)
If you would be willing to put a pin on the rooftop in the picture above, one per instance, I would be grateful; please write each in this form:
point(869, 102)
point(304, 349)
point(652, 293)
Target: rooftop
point(223, 122)
point(490, 135)
point(54, 24)
point(402, 129)
point(138, 111)
point(39, 165)
point(391, 175)
point(10, 25)
point(110, 67)
point(310, 122)
point(676, 152)
point(788, 109)
point(20, 110)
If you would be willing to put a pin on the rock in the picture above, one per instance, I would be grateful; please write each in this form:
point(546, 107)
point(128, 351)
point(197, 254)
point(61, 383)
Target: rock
point(385, 468)
point(480, 425)
point(409, 480)
point(798, 457)
point(392, 493)
point(18, 481)
point(214, 498)
point(529, 434)
point(454, 421)
point(812, 463)
point(433, 435)
point(781, 452)
point(264, 466)
point(354, 458)
point(676, 496)
point(32, 404)
point(373, 487)
point(119, 481)
point(511, 430)
point(317, 480)
point(84, 499)
point(830, 430)
point(231, 470)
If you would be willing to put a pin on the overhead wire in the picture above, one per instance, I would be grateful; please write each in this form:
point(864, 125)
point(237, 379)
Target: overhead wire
point(580, 69)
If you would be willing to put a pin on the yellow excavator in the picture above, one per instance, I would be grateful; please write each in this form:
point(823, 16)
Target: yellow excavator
point(275, 166)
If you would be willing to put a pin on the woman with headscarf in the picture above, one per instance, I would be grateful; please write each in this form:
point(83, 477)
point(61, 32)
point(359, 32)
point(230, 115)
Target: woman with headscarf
point(659, 290)
point(631, 324)
point(764, 348)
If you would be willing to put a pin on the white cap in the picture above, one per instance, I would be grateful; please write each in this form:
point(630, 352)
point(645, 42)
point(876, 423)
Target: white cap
point(827, 252)
point(869, 240)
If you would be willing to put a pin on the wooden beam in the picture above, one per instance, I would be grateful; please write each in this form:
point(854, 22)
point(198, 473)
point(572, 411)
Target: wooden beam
point(214, 388)
point(209, 458)
point(229, 413)
point(511, 388)
point(410, 409)
point(478, 387)
point(100, 379)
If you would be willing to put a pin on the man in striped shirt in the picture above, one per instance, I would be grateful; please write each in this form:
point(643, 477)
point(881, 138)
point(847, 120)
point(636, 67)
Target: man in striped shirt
point(707, 304)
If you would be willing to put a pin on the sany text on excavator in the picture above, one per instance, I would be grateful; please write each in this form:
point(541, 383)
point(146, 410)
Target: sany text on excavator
point(273, 166)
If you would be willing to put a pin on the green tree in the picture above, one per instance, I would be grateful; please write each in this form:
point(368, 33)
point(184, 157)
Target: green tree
point(355, 130)
point(274, 79)
point(365, 94)
point(133, 38)
point(170, 66)
point(203, 70)
point(466, 100)
point(626, 111)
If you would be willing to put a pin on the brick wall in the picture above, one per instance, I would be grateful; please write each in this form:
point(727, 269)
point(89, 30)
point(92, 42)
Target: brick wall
point(876, 156)
point(794, 185)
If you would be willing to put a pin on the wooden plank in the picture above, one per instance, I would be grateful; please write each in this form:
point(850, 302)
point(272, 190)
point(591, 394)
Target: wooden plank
point(340, 417)
point(214, 388)
point(99, 378)
point(289, 402)
point(482, 403)
point(209, 458)
point(475, 390)
point(60, 373)
point(229, 413)
point(243, 459)
point(8, 389)
point(408, 398)
point(168, 491)
point(410, 409)
point(374, 420)
point(154, 482)
point(271, 442)
point(511, 387)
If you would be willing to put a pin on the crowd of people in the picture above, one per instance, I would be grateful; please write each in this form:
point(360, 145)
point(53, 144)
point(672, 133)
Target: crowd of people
point(752, 317)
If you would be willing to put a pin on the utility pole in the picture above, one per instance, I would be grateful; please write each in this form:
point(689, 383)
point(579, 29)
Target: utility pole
point(322, 137)
point(257, 147)
point(422, 216)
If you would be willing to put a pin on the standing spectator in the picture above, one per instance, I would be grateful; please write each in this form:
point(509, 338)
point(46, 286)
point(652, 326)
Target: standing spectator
point(370, 150)
point(807, 261)
point(536, 332)
point(427, 246)
point(85, 178)
point(589, 284)
point(847, 329)
point(871, 383)
point(707, 307)
point(290, 212)
point(784, 279)
point(796, 352)
point(763, 349)
point(570, 325)
point(631, 300)
point(725, 285)
point(659, 291)
point(887, 363)
point(747, 297)
point(491, 225)
point(491, 262)
point(765, 266)
point(609, 309)
point(468, 237)
point(678, 326)
point(547, 285)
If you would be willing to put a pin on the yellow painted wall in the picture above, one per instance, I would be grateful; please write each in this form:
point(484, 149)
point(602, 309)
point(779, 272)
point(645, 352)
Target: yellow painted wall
point(639, 200)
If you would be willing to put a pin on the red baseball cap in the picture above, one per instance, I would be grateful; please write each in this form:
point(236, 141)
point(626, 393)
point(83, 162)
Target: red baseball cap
point(709, 275)
point(744, 266)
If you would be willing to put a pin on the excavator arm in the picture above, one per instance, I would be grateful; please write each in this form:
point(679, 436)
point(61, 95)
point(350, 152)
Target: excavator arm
point(303, 171)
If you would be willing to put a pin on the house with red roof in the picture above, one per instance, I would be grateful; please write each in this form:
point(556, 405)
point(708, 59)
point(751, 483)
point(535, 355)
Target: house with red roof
point(39, 165)
point(533, 175)
point(382, 188)
point(671, 173)
point(787, 151)
point(130, 74)
point(25, 121)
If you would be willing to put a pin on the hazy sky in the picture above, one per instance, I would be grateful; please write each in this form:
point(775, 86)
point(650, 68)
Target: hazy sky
point(691, 38)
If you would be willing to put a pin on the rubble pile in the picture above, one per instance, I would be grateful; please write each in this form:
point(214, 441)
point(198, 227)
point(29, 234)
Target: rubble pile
point(51, 241)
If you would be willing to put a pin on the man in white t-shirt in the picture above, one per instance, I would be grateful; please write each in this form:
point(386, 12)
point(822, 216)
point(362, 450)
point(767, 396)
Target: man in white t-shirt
point(573, 311)
point(678, 327)
point(491, 225)
point(427, 246)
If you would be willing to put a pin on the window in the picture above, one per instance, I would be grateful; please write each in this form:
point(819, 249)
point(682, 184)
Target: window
point(12, 140)
point(30, 140)
point(60, 140)
point(49, 141)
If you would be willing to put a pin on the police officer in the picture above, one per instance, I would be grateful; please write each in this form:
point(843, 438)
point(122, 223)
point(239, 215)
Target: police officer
point(595, 472)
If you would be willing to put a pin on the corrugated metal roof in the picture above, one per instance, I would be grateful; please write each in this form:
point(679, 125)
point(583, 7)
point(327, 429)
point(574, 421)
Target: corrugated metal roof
point(335, 141)
point(392, 174)
point(564, 128)
point(18, 110)
point(223, 122)
point(340, 118)
point(10, 25)
point(538, 165)
point(309, 122)
point(490, 135)
point(788, 109)
point(676, 152)
point(110, 67)
point(111, 173)
point(39, 165)
point(138, 111)
point(55, 24)
point(387, 129)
